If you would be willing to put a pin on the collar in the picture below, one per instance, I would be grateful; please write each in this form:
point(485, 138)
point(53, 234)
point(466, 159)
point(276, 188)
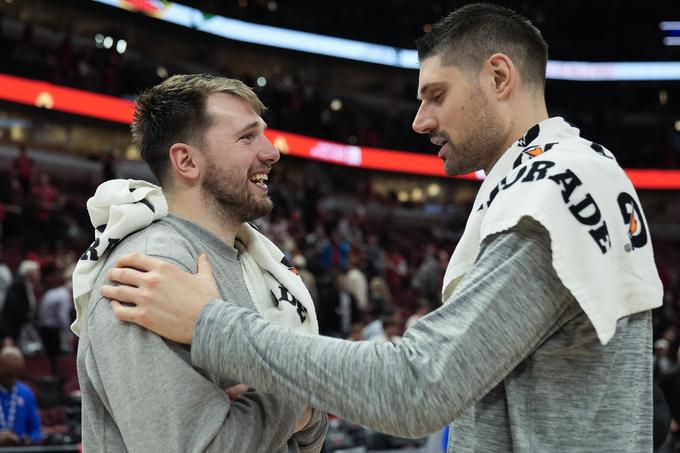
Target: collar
point(226, 250)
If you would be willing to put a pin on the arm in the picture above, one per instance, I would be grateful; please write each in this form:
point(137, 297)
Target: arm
point(33, 429)
point(158, 399)
point(504, 308)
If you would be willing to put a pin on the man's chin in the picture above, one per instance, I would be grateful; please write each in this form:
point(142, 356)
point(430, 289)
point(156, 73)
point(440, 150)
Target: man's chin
point(260, 209)
point(457, 170)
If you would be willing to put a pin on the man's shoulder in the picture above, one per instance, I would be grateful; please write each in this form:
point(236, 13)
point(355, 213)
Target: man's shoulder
point(24, 390)
point(161, 239)
point(587, 151)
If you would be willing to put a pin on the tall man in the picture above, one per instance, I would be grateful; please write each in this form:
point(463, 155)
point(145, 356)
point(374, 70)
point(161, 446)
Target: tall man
point(203, 138)
point(543, 342)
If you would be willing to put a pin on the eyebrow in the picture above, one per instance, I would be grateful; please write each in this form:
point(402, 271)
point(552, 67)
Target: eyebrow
point(250, 126)
point(428, 87)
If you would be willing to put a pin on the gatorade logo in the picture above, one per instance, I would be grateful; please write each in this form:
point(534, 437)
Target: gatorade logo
point(632, 218)
point(531, 152)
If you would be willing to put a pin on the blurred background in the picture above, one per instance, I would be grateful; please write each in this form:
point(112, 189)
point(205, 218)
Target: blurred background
point(362, 206)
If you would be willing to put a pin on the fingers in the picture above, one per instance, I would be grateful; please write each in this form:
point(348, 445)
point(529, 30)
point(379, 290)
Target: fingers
point(206, 274)
point(125, 312)
point(126, 294)
point(127, 276)
point(304, 419)
point(141, 262)
point(204, 267)
point(236, 390)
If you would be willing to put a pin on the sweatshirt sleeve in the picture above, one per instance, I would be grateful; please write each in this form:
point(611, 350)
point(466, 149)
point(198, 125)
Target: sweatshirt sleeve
point(506, 305)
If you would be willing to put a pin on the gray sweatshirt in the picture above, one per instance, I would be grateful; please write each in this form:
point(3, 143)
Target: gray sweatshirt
point(512, 361)
point(140, 392)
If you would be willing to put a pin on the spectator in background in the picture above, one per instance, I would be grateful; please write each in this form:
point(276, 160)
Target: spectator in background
point(393, 330)
point(339, 309)
point(380, 296)
point(5, 280)
point(54, 319)
point(335, 254)
point(396, 268)
point(357, 284)
point(23, 166)
point(428, 277)
point(375, 256)
point(48, 203)
point(20, 303)
point(300, 263)
point(356, 332)
point(423, 309)
point(662, 361)
point(19, 419)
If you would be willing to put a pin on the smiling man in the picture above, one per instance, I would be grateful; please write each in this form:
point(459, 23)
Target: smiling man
point(203, 138)
point(543, 343)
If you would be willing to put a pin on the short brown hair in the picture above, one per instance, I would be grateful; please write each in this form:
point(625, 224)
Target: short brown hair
point(174, 111)
point(471, 34)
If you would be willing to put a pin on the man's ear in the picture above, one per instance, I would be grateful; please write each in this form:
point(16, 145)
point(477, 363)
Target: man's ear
point(503, 74)
point(185, 161)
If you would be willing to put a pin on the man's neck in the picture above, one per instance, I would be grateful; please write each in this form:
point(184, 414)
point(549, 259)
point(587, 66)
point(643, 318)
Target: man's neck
point(525, 119)
point(201, 216)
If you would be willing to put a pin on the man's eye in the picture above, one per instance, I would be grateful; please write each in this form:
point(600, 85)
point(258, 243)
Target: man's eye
point(247, 137)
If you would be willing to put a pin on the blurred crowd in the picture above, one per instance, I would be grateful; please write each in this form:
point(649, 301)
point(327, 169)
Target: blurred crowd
point(636, 121)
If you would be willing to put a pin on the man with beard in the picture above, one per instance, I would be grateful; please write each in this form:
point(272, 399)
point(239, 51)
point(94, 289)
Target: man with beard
point(203, 138)
point(544, 340)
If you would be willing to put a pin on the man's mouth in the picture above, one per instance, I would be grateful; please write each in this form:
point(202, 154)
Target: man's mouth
point(260, 180)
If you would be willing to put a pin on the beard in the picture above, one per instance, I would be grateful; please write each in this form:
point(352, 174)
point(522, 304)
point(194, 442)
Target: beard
point(481, 144)
point(227, 194)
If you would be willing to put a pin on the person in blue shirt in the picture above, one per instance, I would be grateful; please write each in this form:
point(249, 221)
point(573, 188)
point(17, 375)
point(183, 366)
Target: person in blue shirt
point(19, 419)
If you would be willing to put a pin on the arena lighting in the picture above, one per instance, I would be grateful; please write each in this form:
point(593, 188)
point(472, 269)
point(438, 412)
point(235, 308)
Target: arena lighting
point(121, 46)
point(373, 53)
point(669, 25)
point(120, 110)
point(672, 31)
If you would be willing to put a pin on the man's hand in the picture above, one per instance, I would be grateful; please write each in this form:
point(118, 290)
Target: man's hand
point(303, 421)
point(160, 296)
point(235, 391)
point(8, 437)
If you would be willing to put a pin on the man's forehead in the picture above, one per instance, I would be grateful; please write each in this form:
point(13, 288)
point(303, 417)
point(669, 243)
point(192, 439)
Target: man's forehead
point(227, 108)
point(435, 73)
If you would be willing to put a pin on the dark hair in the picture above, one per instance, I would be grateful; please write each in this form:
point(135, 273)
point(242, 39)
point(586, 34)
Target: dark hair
point(174, 111)
point(471, 34)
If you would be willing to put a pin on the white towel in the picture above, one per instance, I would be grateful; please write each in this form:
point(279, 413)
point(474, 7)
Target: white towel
point(601, 247)
point(118, 208)
point(121, 207)
point(283, 298)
